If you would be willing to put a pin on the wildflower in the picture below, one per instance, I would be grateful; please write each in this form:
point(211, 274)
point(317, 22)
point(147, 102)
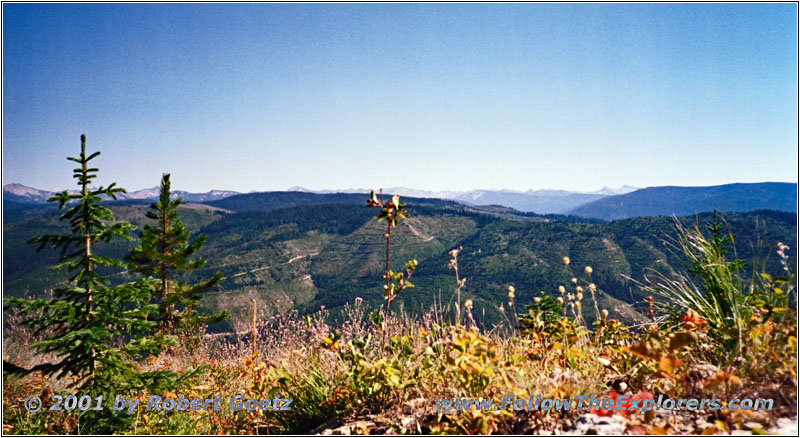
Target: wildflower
point(592, 287)
point(359, 299)
point(693, 321)
point(574, 280)
point(566, 260)
point(579, 289)
point(560, 300)
point(605, 313)
point(578, 305)
point(536, 300)
point(501, 308)
point(468, 304)
point(511, 292)
point(588, 270)
point(579, 296)
point(561, 290)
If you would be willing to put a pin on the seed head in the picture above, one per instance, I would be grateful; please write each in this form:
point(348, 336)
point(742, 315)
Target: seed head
point(587, 270)
point(565, 260)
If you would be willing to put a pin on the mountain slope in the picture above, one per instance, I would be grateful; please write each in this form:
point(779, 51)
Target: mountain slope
point(24, 194)
point(308, 255)
point(541, 201)
point(684, 201)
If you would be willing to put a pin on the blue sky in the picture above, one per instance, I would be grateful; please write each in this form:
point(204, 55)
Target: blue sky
point(439, 97)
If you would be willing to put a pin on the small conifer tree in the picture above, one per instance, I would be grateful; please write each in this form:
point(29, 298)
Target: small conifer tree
point(164, 249)
point(100, 330)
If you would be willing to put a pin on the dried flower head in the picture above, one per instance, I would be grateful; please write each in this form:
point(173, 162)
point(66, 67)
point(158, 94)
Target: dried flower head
point(605, 313)
point(561, 289)
point(587, 270)
point(536, 300)
point(560, 300)
point(574, 280)
point(468, 304)
point(579, 296)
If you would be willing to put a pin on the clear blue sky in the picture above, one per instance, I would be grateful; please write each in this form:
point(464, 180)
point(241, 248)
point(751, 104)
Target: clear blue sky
point(440, 97)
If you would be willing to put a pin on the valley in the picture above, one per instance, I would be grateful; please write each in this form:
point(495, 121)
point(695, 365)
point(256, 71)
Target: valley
point(293, 250)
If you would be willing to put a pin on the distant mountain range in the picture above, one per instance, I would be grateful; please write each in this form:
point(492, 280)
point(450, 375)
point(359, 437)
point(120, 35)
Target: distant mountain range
point(605, 204)
point(686, 201)
point(29, 195)
point(547, 201)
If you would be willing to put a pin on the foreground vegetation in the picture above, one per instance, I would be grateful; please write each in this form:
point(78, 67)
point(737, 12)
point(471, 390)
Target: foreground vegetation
point(719, 328)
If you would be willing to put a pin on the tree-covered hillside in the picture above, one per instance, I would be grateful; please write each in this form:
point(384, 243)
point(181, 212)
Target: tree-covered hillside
point(290, 252)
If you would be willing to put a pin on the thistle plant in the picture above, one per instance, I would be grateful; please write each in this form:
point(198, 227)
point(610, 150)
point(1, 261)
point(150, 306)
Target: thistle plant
point(459, 281)
point(511, 308)
point(392, 211)
point(592, 289)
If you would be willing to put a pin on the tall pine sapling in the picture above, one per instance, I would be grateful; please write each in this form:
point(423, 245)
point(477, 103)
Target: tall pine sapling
point(99, 329)
point(165, 249)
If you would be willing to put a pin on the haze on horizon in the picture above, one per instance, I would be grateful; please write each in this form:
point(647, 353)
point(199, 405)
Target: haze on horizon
point(436, 97)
